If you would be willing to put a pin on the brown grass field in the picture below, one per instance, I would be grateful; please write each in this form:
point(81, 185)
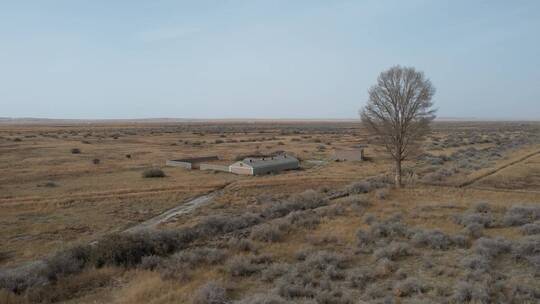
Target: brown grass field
point(454, 234)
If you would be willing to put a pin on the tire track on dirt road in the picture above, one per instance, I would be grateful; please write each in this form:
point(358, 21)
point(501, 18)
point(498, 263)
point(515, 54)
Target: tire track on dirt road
point(491, 172)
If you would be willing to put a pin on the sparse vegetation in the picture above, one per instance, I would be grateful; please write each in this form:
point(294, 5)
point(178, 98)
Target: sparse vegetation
point(266, 239)
point(211, 293)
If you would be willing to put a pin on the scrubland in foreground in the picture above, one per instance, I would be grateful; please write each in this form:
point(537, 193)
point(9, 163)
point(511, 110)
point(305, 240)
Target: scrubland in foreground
point(333, 233)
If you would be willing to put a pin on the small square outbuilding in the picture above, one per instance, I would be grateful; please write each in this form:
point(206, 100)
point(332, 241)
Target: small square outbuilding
point(354, 153)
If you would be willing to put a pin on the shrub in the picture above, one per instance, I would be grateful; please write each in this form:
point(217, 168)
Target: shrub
point(476, 262)
point(69, 287)
point(481, 207)
point(211, 293)
point(393, 251)
point(520, 215)
point(390, 228)
point(358, 188)
point(263, 298)
point(240, 266)
point(66, 262)
point(274, 271)
point(18, 279)
point(369, 218)
point(304, 219)
point(401, 274)
point(527, 246)
point(292, 287)
point(364, 238)
point(529, 229)
point(242, 244)
point(378, 290)
point(466, 292)
point(198, 256)
point(150, 262)
point(433, 239)
point(474, 230)
point(218, 224)
point(360, 277)
point(75, 151)
point(358, 201)
point(127, 249)
point(267, 233)
point(331, 211)
point(322, 259)
point(382, 194)
point(491, 247)
point(153, 172)
point(308, 199)
point(331, 296)
point(486, 220)
point(384, 267)
point(408, 287)
point(460, 240)
point(463, 292)
point(439, 175)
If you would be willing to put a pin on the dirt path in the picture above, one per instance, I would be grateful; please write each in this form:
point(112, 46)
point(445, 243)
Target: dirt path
point(184, 208)
point(491, 172)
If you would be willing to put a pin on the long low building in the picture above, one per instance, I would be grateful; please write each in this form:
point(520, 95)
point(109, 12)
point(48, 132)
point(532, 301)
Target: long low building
point(264, 165)
point(190, 163)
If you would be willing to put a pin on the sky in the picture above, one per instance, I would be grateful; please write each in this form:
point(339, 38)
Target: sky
point(100, 59)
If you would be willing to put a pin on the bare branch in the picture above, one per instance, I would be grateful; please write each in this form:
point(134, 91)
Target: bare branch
point(399, 111)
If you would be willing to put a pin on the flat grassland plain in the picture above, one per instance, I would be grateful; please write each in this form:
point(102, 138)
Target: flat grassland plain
point(466, 228)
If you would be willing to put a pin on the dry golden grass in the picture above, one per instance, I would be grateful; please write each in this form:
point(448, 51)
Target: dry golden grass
point(91, 200)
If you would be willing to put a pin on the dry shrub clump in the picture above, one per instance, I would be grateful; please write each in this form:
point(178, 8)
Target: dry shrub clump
point(268, 232)
point(220, 224)
point(126, 250)
point(409, 287)
point(483, 219)
point(153, 173)
point(358, 187)
point(380, 232)
point(263, 298)
point(242, 266)
point(530, 229)
point(393, 251)
point(436, 239)
point(242, 244)
point(521, 215)
point(308, 199)
point(179, 265)
point(211, 293)
point(312, 278)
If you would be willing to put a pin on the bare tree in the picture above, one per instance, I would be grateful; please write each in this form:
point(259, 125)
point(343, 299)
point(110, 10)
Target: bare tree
point(399, 111)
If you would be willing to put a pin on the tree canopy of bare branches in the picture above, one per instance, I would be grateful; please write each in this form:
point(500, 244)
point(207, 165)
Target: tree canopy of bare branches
point(399, 112)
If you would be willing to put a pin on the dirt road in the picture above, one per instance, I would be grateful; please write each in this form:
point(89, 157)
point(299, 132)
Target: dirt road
point(184, 208)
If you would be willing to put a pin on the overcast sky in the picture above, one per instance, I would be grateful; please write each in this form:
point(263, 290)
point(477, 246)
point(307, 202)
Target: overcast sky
point(262, 59)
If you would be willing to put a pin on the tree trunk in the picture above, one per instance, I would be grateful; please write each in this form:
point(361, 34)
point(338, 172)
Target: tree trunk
point(398, 174)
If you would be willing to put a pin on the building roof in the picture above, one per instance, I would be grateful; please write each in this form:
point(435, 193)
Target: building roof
point(357, 147)
point(268, 161)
